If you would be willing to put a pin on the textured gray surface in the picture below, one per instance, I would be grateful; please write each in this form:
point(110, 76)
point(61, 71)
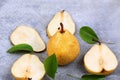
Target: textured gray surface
point(102, 15)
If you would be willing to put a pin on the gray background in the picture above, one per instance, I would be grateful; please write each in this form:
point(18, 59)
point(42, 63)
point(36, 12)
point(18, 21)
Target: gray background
point(102, 15)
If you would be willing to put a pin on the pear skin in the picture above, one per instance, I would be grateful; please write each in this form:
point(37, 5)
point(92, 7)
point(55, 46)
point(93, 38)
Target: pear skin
point(65, 45)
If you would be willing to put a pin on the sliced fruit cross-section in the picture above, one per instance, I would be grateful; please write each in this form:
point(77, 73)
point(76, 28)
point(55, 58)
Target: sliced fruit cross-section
point(100, 60)
point(28, 67)
point(61, 17)
point(28, 35)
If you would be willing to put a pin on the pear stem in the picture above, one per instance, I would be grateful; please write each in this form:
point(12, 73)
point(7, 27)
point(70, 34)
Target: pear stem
point(62, 10)
point(62, 28)
point(29, 78)
point(97, 41)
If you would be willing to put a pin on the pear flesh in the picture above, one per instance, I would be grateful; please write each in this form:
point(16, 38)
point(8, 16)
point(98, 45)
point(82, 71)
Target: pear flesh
point(65, 18)
point(28, 35)
point(100, 60)
point(28, 67)
point(65, 45)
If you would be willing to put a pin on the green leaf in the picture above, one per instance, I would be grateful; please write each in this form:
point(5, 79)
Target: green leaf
point(20, 47)
point(93, 77)
point(51, 65)
point(88, 35)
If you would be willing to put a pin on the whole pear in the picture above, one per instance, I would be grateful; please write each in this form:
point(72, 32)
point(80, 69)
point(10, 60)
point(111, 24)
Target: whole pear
point(65, 45)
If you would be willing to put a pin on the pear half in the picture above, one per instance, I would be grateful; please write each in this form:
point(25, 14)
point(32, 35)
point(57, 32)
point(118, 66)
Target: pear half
point(65, 46)
point(28, 35)
point(28, 67)
point(64, 17)
point(100, 60)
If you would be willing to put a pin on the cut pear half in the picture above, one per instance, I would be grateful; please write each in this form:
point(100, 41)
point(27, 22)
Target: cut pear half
point(28, 67)
point(28, 35)
point(61, 17)
point(100, 60)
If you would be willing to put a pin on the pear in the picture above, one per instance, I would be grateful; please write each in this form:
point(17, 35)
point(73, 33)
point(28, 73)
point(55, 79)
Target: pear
point(28, 67)
point(28, 35)
point(64, 17)
point(65, 45)
point(100, 60)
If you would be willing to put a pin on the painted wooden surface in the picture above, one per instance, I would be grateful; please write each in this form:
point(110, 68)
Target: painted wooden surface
point(102, 15)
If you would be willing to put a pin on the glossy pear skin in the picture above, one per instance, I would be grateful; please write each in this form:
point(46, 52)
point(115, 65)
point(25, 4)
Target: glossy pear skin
point(65, 46)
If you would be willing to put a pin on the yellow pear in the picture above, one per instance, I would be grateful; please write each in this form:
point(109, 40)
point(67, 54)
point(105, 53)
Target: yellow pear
point(28, 67)
point(65, 45)
point(64, 17)
point(100, 60)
